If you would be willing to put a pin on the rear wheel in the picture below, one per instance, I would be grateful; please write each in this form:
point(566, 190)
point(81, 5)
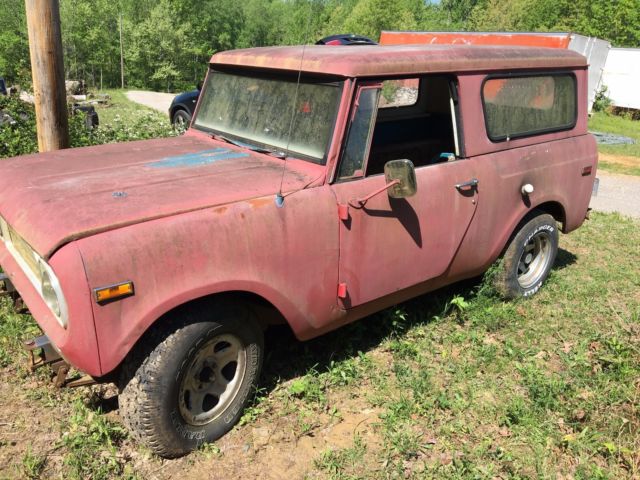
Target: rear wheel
point(190, 384)
point(529, 257)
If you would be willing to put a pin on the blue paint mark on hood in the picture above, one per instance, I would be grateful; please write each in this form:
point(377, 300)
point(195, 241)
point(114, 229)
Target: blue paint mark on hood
point(205, 157)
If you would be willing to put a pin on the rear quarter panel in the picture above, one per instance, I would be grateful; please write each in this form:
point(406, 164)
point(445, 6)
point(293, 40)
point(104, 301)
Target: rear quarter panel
point(551, 162)
point(554, 169)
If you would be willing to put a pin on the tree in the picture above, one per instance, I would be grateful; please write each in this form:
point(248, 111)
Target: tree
point(369, 17)
point(15, 66)
point(157, 45)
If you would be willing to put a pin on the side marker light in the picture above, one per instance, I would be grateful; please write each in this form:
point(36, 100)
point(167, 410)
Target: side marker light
point(114, 292)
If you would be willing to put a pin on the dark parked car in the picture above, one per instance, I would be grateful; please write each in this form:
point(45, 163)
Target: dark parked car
point(184, 104)
point(346, 39)
point(3, 87)
point(182, 107)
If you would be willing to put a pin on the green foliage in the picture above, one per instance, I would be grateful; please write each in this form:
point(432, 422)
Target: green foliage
point(14, 47)
point(337, 462)
point(33, 465)
point(601, 102)
point(167, 44)
point(91, 440)
point(19, 137)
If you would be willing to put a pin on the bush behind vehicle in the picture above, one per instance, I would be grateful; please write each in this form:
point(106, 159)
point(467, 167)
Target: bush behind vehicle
point(19, 136)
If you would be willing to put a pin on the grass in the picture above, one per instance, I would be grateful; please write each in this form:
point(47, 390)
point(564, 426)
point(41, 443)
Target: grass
point(122, 110)
point(90, 440)
point(459, 384)
point(32, 465)
point(630, 164)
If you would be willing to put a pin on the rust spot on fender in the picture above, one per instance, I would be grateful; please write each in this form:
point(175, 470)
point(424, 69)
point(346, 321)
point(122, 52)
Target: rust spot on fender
point(260, 202)
point(220, 210)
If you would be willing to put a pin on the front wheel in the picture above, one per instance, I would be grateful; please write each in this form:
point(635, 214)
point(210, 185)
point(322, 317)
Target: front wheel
point(181, 120)
point(191, 384)
point(527, 262)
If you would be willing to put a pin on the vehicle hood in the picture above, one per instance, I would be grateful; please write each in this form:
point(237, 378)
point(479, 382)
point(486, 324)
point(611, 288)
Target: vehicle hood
point(53, 198)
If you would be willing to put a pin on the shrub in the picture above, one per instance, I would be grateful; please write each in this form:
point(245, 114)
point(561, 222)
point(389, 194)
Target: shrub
point(602, 101)
point(18, 129)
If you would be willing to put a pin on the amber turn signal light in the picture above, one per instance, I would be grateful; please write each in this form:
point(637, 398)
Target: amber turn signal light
point(114, 292)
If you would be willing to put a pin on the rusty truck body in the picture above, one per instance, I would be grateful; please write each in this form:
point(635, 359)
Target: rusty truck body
point(314, 186)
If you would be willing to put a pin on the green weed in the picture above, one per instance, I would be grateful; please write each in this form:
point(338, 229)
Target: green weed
point(91, 441)
point(33, 465)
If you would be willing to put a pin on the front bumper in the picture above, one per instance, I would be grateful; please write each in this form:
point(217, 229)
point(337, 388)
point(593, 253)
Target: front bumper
point(42, 352)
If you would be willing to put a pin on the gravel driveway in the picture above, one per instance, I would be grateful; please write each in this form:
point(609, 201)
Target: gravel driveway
point(156, 100)
point(618, 193)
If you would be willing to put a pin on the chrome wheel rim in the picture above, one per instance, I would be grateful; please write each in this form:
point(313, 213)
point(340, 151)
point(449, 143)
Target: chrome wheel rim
point(534, 260)
point(212, 379)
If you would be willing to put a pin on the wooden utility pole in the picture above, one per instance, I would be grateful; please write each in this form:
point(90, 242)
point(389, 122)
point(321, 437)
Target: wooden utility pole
point(47, 67)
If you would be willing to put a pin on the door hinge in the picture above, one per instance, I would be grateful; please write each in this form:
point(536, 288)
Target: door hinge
point(342, 290)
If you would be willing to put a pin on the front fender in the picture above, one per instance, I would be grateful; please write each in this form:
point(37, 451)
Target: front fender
point(288, 256)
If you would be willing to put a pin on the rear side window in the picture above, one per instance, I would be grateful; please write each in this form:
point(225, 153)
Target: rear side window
point(528, 105)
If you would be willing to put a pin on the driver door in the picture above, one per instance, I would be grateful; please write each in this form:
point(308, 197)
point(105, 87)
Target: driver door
point(392, 244)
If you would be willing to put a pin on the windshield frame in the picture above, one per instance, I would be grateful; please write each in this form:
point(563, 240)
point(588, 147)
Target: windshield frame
point(289, 76)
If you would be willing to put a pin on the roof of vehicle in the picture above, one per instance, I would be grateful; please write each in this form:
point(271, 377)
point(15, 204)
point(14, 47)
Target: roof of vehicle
point(373, 60)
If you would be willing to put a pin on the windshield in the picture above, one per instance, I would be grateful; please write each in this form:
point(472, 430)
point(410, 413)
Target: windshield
point(258, 111)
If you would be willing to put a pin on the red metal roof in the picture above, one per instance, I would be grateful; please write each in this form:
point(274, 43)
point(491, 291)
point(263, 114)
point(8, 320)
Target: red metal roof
point(374, 60)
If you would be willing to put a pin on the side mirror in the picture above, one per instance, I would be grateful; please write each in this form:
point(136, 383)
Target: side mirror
point(403, 174)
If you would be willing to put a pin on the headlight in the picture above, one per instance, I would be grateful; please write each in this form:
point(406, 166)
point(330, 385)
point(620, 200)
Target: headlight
point(48, 291)
point(37, 270)
point(52, 293)
point(3, 229)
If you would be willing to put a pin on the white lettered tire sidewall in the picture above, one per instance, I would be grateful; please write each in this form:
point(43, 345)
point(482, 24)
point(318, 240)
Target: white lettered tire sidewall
point(506, 281)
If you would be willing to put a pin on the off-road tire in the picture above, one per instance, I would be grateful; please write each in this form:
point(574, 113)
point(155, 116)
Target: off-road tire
point(538, 228)
point(153, 374)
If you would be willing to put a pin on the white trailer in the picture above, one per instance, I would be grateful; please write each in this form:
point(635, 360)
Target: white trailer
point(622, 77)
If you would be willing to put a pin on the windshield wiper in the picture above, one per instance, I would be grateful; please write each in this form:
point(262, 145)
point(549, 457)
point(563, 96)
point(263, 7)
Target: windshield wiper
point(253, 148)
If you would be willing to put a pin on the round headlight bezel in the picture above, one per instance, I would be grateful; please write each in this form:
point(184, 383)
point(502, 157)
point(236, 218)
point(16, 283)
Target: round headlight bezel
point(51, 293)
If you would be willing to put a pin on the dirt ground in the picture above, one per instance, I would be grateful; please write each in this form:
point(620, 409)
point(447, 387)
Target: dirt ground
point(627, 161)
point(33, 416)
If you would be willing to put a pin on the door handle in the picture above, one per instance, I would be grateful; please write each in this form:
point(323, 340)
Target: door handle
point(472, 184)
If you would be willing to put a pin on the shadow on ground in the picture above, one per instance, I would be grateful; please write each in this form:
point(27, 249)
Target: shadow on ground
point(288, 358)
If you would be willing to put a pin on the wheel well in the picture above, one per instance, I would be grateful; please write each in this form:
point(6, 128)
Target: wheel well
point(554, 209)
point(266, 314)
point(264, 310)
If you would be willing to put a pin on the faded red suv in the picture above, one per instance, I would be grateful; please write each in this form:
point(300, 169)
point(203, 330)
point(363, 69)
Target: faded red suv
point(315, 186)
